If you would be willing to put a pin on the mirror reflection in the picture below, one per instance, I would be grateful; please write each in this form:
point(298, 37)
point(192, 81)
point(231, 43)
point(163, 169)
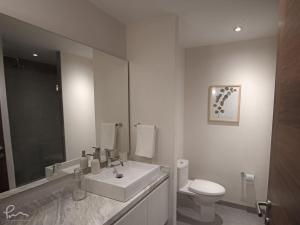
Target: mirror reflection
point(58, 98)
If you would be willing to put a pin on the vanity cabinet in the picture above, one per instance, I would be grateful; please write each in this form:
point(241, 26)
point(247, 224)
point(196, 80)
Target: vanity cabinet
point(152, 210)
point(137, 215)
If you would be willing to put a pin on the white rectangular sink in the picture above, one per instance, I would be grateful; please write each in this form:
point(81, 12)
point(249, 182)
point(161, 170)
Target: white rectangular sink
point(136, 176)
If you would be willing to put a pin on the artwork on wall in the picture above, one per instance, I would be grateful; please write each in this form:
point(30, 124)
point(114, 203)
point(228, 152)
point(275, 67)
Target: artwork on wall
point(224, 103)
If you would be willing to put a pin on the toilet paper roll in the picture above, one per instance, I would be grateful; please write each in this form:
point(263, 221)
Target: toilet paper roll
point(181, 163)
point(249, 177)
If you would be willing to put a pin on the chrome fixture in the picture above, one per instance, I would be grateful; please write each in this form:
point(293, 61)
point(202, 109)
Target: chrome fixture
point(96, 153)
point(119, 124)
point(108, 153)
point(110, 158)
point(137, 124)
point(264, 212)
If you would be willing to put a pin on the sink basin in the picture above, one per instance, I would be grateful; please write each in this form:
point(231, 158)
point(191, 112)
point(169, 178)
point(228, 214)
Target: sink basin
point(136, 176)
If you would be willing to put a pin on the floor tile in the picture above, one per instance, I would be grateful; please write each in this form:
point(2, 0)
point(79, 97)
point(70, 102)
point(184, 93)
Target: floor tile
point(226, 216)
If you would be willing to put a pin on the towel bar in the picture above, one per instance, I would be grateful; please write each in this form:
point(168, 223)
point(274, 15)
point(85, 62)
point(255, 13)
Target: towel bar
point(135, 125)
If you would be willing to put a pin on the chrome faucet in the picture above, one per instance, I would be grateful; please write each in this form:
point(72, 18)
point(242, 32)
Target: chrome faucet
point(110, 158)
point(96, 153)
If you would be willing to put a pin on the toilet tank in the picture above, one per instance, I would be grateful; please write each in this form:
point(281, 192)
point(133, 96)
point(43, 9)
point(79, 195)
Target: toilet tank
point(182, 172)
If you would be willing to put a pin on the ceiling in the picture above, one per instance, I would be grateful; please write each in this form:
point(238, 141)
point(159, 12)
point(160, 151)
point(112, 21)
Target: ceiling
point(21, 40)
point(202, 22)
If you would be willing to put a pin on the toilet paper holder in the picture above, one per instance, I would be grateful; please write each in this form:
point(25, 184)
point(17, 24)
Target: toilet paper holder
point(248, 177)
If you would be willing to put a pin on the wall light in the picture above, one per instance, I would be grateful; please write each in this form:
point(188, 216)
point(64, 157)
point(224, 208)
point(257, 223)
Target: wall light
point(35, 54)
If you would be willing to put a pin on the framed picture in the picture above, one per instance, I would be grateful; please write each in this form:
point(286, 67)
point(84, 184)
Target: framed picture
point(224, 103)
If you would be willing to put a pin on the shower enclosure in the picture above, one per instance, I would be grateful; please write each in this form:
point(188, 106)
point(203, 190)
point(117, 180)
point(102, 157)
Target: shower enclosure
point(35, 115)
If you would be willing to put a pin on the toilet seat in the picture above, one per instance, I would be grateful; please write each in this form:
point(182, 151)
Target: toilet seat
point(202, 187)
point(205, 187)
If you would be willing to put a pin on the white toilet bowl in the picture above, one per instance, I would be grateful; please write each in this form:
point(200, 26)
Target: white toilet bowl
point(204, 193)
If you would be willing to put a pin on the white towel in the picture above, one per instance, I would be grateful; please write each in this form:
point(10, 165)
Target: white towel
point(145, 140)
point(108, 136)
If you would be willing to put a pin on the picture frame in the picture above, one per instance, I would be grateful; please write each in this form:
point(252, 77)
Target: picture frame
point(224, 103)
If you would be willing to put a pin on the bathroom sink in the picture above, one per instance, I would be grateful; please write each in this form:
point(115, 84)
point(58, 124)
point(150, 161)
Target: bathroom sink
point(133, 177)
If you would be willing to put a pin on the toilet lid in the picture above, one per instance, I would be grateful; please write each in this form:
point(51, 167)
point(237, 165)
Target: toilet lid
point(206, 187)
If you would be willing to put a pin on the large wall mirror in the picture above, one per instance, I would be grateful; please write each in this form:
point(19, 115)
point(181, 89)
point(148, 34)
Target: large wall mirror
point(55, 96)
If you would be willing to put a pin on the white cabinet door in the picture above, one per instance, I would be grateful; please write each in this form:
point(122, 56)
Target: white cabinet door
point(158, 209)
point(153, 210)
point(136, 216)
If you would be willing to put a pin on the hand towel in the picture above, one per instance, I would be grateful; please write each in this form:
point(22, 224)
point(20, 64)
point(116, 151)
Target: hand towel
point(108, 136)
point(145, 141)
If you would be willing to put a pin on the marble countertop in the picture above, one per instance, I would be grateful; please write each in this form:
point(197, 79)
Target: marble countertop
point(60, 209)
point(66, 169)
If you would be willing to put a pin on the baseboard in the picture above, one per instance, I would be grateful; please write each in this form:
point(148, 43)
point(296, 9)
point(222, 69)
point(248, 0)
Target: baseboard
point(238, 206)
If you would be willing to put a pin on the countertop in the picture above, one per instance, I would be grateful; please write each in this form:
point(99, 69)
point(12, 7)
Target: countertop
point(59, 208)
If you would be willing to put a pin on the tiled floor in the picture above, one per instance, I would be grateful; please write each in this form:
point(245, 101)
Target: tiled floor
point(226, 216)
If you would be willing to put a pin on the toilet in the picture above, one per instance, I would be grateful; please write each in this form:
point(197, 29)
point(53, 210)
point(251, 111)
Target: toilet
point(204, 194)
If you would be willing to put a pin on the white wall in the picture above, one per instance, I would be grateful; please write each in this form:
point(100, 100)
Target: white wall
point(221, 152)
point(111, 96)
point(5, 124)
point(75, 19)
point(78, 104)
point(153, 53)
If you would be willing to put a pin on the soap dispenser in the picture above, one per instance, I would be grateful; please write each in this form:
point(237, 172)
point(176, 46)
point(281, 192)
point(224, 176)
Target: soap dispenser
point(95, 165)
point(84, 161)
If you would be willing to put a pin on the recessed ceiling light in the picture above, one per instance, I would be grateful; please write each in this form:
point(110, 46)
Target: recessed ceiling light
point(238, 29)
point(35, 54)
